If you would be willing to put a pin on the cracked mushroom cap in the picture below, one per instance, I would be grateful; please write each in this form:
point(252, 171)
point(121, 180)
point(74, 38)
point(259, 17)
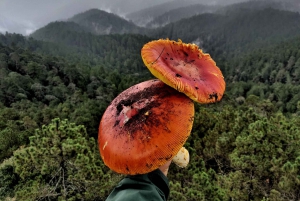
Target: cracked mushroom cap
point(144, 127)
point(185, 68)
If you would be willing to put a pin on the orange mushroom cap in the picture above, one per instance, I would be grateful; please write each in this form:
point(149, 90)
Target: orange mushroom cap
point(144, 127)
point(185, 68)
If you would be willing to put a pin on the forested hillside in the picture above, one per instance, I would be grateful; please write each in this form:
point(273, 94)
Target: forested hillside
point(234, 33)
point(223, 35)
point(56, 84)
point(146, 15)
point(111, 51)
point(288, 5)
point(101, 22)
point(173, 11)
point(180, 13)
point(270, 73)
point(54, 28)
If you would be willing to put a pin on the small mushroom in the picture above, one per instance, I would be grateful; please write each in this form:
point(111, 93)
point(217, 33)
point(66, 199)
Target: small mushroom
point(185, 68)
point(182, 158)
point(144, 127)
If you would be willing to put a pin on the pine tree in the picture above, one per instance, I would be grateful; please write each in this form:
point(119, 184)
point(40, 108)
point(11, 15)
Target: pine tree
point(61, 163)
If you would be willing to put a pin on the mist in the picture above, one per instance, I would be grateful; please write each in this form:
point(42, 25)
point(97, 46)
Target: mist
point(25, 16)
point(32, 14)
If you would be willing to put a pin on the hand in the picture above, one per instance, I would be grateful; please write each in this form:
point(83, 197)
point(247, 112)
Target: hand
point(165, 168)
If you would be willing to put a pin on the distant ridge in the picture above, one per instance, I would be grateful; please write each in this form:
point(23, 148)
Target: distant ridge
point(180, 13)
point(172, 11)
point(144, 16)
point(101, 22)
point(57, 29)
point(286, 5)
point(234, 32)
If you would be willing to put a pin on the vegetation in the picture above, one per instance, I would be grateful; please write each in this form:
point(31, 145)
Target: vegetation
point(60, 163)
point(234, 33)
point(101, 22)
point(54, 90)
point(180, 13)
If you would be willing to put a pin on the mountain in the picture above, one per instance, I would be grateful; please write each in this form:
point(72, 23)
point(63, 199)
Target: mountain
point(93, 21)
point(56, 30)
point(36, 13)
point(100, 22)
point(180, 13)
point(120, 52)
point(222, 33)
point(144, 16)
point(287, 5)
point(234, 32)
point(172, 11)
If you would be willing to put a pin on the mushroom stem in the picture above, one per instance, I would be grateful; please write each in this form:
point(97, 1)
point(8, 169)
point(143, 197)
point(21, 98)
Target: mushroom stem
point(182, 158)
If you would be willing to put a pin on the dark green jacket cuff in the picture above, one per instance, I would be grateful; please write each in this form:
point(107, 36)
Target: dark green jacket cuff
point(152, 186)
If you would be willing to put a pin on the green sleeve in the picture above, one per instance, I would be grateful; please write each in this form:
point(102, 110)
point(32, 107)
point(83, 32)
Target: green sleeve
point(153, 186)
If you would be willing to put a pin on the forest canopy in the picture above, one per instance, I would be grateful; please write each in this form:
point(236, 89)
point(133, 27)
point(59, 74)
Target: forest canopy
point(56, 84)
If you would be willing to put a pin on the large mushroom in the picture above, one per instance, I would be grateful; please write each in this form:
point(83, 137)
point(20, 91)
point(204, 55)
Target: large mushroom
point(186, 68)
point(144, 127)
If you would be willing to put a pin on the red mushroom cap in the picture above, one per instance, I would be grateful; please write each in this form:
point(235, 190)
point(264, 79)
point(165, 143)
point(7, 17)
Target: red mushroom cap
point(185, 68)
point(144, 127)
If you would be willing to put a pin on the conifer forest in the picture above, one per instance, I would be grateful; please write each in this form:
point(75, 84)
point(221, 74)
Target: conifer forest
point(56, 83)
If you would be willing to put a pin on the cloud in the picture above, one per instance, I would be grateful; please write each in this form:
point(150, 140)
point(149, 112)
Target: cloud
point(29, 27)
point(3, 30)
point(33, 14)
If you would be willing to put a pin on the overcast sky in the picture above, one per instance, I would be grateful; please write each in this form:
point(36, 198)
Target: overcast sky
point(36, 13)
point(29, 15)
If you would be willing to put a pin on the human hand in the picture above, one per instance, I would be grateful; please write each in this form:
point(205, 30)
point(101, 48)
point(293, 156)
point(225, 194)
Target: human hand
point(165, 168)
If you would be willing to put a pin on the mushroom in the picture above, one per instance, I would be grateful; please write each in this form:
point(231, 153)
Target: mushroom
point(144, 127)
point(185, 68)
